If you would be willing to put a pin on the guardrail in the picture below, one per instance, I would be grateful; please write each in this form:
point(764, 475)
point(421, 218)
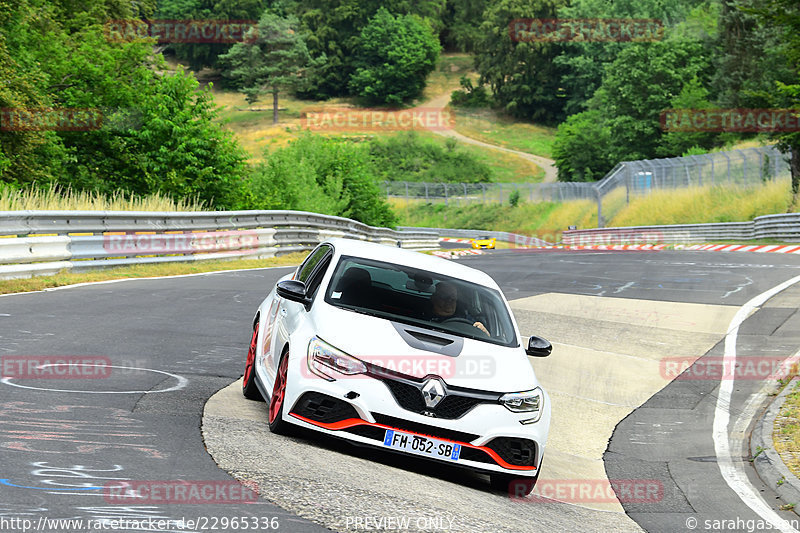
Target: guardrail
point(47, 242)
point(785, 228)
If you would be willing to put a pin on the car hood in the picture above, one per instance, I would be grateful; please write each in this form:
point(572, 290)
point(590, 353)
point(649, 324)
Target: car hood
point(478, 365)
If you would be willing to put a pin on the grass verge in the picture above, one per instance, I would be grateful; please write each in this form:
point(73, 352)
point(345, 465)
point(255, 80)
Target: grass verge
point(144, 271)
point(786, 431)
point(547, 220)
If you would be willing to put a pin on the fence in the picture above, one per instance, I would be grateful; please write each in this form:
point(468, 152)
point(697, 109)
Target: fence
point(743, 167)
point(487, 193)
point(46, 242)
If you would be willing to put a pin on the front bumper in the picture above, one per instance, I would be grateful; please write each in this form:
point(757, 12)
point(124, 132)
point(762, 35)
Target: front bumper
point(361, 409)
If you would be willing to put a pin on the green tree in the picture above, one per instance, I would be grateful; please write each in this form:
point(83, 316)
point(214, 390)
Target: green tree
point(200, 55)
point(785, 15)
point(582, 147)
point(641, 83)
point(583, 63)
point(334, 28)
point(523, 76)
point(393, 58)
point(462, 20)
point(676, 143)
point(157, 129)
point(276, 59)
point(750, 58)
point(25, 156)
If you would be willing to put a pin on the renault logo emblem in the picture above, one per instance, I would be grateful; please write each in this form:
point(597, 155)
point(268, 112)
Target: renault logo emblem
point(432, 393)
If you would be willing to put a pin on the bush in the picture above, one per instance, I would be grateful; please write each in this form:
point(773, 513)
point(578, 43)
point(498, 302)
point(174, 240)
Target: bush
point(409, 157)
point(322, 175)
point(469, 95)
point(581, 149)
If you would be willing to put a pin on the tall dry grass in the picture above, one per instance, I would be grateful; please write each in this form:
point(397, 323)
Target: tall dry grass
point(693, 205)
point(65, 199)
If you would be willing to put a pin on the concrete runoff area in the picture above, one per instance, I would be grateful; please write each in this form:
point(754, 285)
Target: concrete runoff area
point(606, 361)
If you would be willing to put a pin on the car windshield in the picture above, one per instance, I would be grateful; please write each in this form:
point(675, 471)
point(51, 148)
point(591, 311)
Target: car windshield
point(421, 298)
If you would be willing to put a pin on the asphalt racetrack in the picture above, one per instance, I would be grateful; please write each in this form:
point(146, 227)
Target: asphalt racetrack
point(166, 409)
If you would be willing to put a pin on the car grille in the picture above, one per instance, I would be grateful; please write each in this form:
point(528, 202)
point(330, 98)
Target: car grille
point(323, 408)
point(514, 451)
point(455, 404)
point(424, 429)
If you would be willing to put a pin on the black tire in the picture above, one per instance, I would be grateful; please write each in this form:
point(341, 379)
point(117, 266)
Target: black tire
point(277, 424)
point(249, 386)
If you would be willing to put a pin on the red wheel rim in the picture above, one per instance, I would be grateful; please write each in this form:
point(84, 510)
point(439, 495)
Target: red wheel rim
point(251, 357)
point(279, 391)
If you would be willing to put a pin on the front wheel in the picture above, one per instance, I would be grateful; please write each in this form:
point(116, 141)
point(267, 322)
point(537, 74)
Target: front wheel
point(276, 422)
point(249, 387)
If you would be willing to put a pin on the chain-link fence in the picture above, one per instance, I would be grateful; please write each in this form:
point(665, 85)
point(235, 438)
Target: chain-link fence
point(745, 167)
point(748, 166)
point(487, 193)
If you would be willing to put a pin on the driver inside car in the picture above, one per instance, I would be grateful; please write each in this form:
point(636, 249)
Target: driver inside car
point(444, 302)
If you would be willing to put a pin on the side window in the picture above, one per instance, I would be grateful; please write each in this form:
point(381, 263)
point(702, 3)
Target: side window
point(307, 268)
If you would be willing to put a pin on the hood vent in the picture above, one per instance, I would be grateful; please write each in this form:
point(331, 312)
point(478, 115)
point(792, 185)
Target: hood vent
point(431, 341)
point(424, 337)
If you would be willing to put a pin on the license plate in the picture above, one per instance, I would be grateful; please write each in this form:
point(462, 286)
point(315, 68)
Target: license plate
point(422, 445)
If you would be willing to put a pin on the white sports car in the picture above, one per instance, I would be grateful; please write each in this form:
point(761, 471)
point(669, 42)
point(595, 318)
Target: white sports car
point(402, 351)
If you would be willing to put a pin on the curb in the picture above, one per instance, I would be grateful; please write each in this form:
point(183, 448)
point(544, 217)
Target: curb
point(768, 464)
point(761, 248)
point(454, 254)
point(766, 248)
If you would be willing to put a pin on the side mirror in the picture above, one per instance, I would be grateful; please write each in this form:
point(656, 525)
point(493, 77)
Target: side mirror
point(538, 347)
point(293, 290)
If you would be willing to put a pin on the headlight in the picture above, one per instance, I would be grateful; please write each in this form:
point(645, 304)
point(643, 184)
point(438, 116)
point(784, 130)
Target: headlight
point(525, 402)
point(322, 358)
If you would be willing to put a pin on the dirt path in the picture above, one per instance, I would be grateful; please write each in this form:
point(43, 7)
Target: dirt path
point(440, 102)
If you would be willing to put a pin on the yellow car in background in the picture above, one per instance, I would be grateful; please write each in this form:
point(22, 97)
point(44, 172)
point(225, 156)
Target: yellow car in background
point(484, 242)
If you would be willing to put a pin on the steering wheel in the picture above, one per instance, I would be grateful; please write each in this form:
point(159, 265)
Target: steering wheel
point(458, 319)
point(465, 321)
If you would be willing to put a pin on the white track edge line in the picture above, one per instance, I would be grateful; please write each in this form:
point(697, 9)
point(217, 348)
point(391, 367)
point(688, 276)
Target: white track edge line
point(734, 477)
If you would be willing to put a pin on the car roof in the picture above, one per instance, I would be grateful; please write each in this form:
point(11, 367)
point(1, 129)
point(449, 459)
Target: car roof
point(399, 256)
